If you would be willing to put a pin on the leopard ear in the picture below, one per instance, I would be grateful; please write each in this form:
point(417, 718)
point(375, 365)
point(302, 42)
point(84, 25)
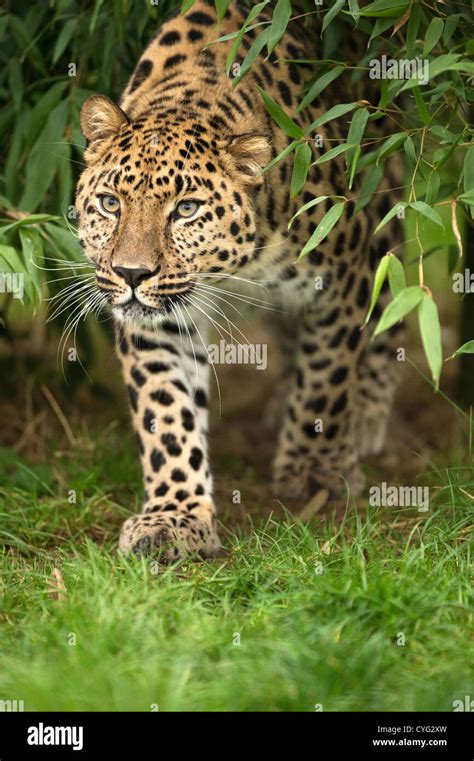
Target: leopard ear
point(249, 153)
point(101, 118)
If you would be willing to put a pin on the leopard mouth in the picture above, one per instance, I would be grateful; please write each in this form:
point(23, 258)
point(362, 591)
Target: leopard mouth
point(135, 310)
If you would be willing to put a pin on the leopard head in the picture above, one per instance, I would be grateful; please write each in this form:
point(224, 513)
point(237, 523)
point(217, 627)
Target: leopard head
point(162, 204)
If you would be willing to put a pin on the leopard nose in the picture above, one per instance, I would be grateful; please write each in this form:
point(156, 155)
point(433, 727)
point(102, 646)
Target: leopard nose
point(133, 276)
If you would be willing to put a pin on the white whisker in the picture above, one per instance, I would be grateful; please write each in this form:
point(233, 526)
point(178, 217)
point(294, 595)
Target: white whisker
point(221, 298)
point(249, 300)
point(71, 297)
point(230, 277)
point(206, 349)
point(214, 322)
point(75, 277)
point(196, 368)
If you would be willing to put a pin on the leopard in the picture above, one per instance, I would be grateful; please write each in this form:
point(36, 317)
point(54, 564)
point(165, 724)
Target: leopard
point(184, 203)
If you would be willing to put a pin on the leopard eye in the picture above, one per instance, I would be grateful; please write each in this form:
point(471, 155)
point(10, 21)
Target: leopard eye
point(109, 204)
point(186, 209)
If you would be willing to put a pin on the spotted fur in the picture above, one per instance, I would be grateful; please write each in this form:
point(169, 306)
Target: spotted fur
point(183, 132)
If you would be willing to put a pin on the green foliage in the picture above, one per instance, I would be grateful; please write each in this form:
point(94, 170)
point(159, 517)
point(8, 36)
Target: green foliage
point(429, 110)
point(52, 57)
point(324, 227)
point(467, 348)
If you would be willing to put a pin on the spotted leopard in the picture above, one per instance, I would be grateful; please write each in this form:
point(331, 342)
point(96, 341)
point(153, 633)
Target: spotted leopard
point(178, 217)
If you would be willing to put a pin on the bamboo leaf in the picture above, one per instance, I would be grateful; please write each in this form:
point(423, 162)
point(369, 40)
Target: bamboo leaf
point(31, 219)
point(186, 6)
point(334, 113)
point(281, 16)
point(241, 33)
point(469, 173)
point(332, 13)
point(427, 211)
point(15, 81)
point(309, 205)
point(324, 228)
point(280, 117)
point(430, 330)
point(63, 39)
point(432, 188)
point(332, 153)
point(301, 166)
point(368, 187)
point(433, 33)
point(390, 215)
point(32, 250)
point(393, 143)
point(402, 304)
point(355, 160)
point(284, 153)
point(95, 15)
point(396, 276)
point(380, 275)
point(410, 153)
point(221, 8)
point(356, 132)
point(254, 51)
point(320, 85)
point(44, 159)
point(412, 28)
point(354, 9)
point(385, 8)
point(420, 104)
point(467, 348)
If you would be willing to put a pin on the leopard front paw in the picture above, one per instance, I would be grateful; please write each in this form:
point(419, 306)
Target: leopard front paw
point(169, 535)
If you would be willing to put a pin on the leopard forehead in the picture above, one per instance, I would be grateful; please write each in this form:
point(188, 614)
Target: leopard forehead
point(168, 160)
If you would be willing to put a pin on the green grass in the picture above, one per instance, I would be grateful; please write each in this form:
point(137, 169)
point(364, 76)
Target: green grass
point(318, 608)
